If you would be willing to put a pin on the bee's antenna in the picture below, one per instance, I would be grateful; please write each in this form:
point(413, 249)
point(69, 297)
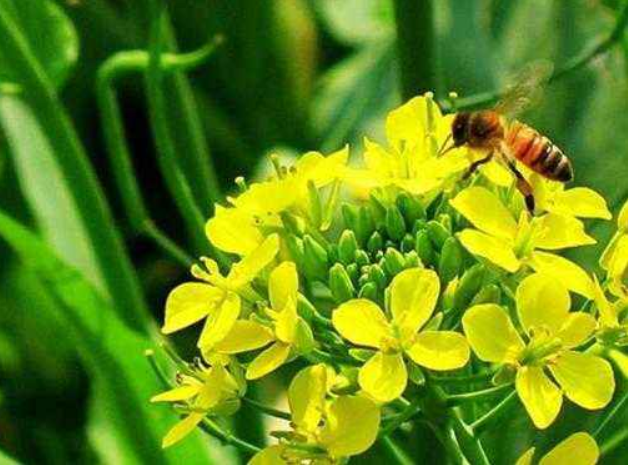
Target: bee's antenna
point(443, 150)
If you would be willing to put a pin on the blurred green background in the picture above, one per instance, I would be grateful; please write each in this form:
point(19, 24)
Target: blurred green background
point(291, 76)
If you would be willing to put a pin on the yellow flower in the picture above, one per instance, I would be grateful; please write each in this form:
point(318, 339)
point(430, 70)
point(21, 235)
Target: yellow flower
point(413, 297)
point(241, 228)
point(578, 202)
point(615, 257)
point(210, 390)
point(509, 244)
point(612, 318)
point(325, 430)
point(219, 298)
point(415, 132)
point(577, 449)
point(552, 332)
point(247, 335)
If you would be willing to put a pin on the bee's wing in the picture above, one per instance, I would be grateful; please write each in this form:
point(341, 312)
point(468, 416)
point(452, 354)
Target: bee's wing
point(526, 89)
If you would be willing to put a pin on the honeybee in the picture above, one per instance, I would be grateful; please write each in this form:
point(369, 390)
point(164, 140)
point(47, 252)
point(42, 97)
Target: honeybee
point(496, 132)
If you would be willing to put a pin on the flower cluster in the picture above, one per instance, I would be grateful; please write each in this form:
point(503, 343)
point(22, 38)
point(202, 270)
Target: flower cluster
point(393, 283)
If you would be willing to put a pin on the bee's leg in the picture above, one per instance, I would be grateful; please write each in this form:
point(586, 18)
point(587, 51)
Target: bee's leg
point(476, 164)
point(523, 186)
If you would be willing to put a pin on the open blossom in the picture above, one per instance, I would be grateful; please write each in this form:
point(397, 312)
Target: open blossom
point(413, 297)
point(551, 334)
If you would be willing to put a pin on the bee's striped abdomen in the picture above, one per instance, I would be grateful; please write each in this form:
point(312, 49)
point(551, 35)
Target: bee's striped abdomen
point(538, 153)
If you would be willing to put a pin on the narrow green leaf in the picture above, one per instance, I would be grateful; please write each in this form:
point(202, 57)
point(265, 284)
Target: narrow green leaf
point(114, 357)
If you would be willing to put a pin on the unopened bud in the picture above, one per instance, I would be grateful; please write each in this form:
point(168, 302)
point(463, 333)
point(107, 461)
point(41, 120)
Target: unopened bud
point(424, 248)
point(438, 234)
point(377, 275)
point(368, 291)
point(395, 224)
point(489, 294)
point(410, 207)
point(314, 259)
point(340, 284)
point(450, 262)
point(375, 243)
point(469, 285)
point(347, 247)
point(393, 262)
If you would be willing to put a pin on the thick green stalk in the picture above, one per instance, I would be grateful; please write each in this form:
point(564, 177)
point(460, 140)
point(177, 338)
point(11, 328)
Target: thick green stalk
point(395, 453)
point(121, 281)
point(416, 46)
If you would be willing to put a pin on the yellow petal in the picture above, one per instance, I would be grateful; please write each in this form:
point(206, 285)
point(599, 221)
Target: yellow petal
point(407, 125)
point(577, 449)
point(245, 335)
point(608, 315)
point(622, 218)
point(561, 232)
point(497, 174)
point(319, 169)
point(233, 230)
point(283, 284)
point(182, 429)
point(352, 426)
point(286, 324)
point(177, 394)
point(384, 377)
point(618, 262)
point(564, 271)
point(487, 213)
point(220, 323)
point(542, 302)
point(270, 197)
point(492, 248)
point(491, 334)
point(378, 160)
point(246, 270)
point(306, 396)
point(526, 458)
point(272, 455)
point(576, 329)
point(440, 350)
point(413, 296)
point(362, 322)
point(189, 303)
point(540, 396)
point(268, 361)
point(581, 202)
point(586, 379)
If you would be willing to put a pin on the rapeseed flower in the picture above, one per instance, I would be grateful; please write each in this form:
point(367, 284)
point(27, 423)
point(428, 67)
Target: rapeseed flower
point(413, 297)
point(284, 328)
point(511, 244)
point(614, 259)
point(208, 391)
point(218, 298)
point(551, 334)
point(325, 429)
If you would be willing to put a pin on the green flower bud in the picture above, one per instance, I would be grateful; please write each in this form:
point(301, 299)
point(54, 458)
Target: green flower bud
point(340, 284)
point(377, 275)
point(292, 224)
point(375, 243)
point(419, 225)
point(424, 248)
point(362, 355)
point(365, 225)
point(445, 220)
point(361, 258)
point(316, 207)
point(415, 374)
point(350, 215)
point(407, 243)
point(489, 294)
point(314, 259)
point(368, 291)
point(450, 262)
point(364, 279)
point(394, 262)
point(347, 247)
point(304, 340)
point(354, 272)
point(395, 224)
point(438, 234)
point(332, 253)
point(295, 247)
point(469, 285)
point(410, 207)
point(412, 259)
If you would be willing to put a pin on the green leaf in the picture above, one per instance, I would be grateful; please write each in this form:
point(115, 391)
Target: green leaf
point(355, 22)
point(6, 460)
point(51, 35)
point(124, 421)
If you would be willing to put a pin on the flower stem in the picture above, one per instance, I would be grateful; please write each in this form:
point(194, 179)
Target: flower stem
point(212, 428)
point(415, 31)
point(610, 414)
point(476, 396)
point(488, 98)
point(493, 414)
point(394, 451)
point(267, 410)
point(614, 442)
point(401, 418)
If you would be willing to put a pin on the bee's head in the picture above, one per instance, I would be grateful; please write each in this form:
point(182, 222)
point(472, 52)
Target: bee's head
point(460, 129)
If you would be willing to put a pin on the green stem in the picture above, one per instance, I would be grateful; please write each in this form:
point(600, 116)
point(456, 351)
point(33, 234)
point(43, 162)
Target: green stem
point(474, 378)
point(267, 410)
point(122, 282)
point(394, 452)
point(614, 442)
point(495, 413)
point(610, 414)
point(400, 419)
point(476, 396)
point(211, 427)
point(467, 439)
point(488, 98)
point(150, 356)
point(416, 46)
